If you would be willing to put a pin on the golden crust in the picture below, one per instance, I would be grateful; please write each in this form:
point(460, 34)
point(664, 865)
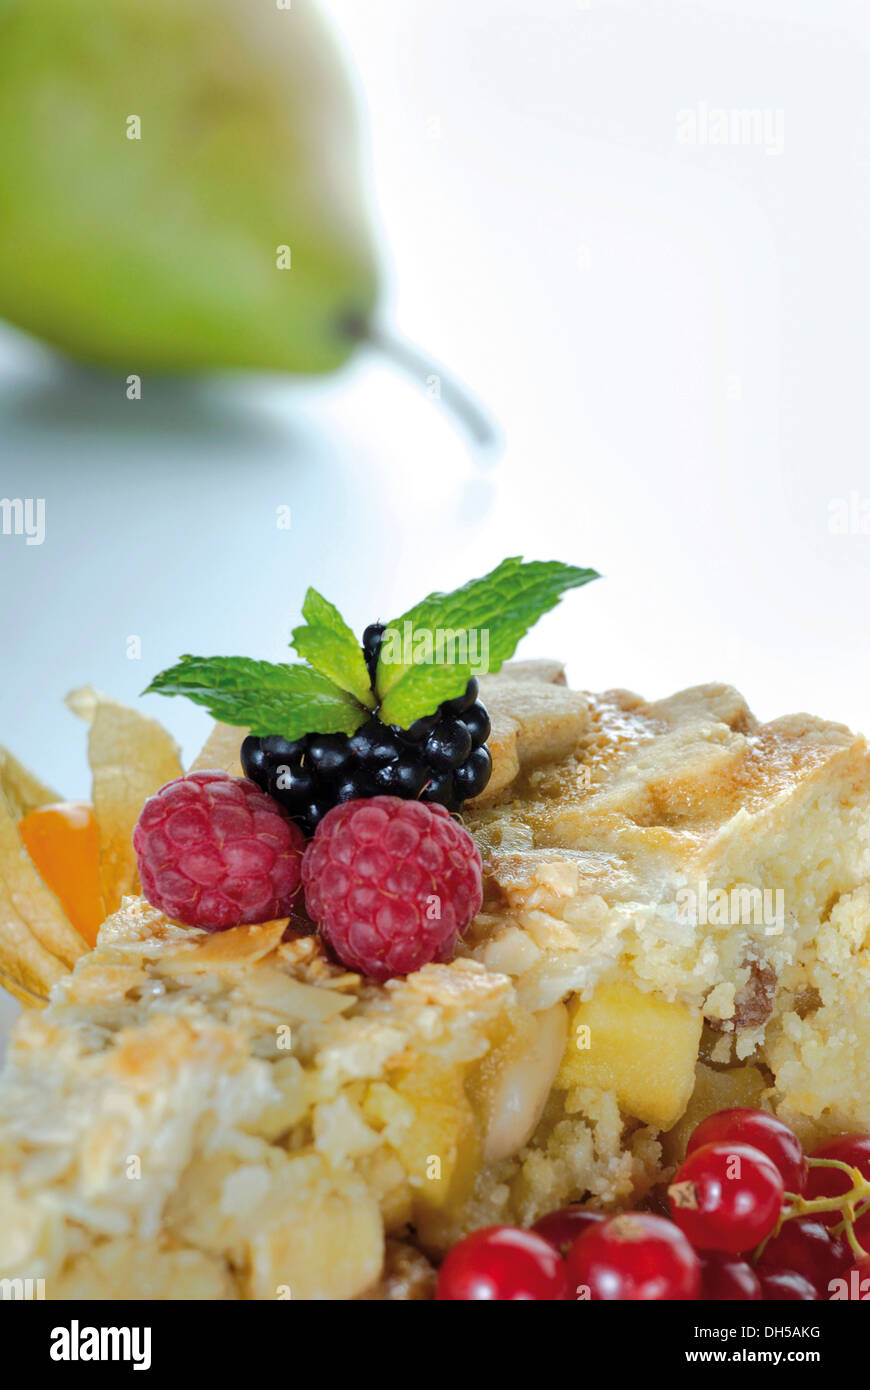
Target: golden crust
point(679, 777)
point(535, 718)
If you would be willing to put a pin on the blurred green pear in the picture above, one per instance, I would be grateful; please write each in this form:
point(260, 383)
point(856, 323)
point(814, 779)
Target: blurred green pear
point(180, 184)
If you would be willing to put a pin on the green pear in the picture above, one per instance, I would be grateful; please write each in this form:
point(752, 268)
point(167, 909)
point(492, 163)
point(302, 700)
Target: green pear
point(180, 184)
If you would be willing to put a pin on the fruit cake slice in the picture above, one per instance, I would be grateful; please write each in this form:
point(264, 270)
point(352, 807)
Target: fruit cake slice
point(675, 920)
point(695, 885)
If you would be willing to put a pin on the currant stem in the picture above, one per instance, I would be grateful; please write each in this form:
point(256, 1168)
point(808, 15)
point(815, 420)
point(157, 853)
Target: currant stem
point(833, 1163)
point(847, 1228)
point(852, 1204)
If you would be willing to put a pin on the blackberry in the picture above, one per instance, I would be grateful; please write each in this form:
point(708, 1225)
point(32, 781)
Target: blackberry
point(442, 757)
point(328, 755)
point(375, 744)
point(476, 721)
point(448, 745)
point(440, 788)
point(350, 788)
point(419, 730)
point(470, 779)
point(406, 777)
point(464, 701)
point(371, 645)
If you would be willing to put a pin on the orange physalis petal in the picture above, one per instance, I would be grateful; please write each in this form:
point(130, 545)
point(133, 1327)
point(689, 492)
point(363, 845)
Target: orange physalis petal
point(63, 841)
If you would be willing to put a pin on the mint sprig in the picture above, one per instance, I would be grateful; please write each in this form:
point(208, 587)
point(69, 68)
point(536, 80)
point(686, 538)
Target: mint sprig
point(427, 655)
point(421, 661)
point(266, 698)
point(328, 644)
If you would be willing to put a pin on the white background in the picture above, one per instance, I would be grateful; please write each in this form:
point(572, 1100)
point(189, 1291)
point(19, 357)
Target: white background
point(674, 339)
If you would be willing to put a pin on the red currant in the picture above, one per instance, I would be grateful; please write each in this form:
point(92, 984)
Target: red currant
point(561, 1228)
point(725, 1279)
point(502, 1263)
point(787, 1287)
point(805, 1246)
point(726, 1197)
point(635, 1257)
point(743, 1125)
point(853, 1149)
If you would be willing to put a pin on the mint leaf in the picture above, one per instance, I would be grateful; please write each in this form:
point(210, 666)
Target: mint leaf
point(267, 699)
point(328, 644)
point(430, 652)
point(421, 690)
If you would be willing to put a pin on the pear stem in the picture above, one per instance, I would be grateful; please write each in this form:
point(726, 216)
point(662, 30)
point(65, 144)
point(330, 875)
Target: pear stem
point(471, 416)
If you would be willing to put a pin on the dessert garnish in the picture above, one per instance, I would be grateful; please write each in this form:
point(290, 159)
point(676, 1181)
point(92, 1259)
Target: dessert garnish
point(366, 746)
point(397, 714)
point(392, 884)
point(735, 1233)
point(214, 851)
point(62, 839)
point(760, 1130)
point(504, 1263)
point(726, 1196)
point(634, 1257)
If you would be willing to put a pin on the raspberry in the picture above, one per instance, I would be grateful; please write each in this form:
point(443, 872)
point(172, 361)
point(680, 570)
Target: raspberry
point(214, 851)
point(391, 884)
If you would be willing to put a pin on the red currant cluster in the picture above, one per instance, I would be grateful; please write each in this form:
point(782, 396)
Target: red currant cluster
point(751, 1218)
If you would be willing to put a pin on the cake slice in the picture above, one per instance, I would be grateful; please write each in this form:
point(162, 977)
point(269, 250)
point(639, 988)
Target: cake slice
point(677, 901)
point(695, 884)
